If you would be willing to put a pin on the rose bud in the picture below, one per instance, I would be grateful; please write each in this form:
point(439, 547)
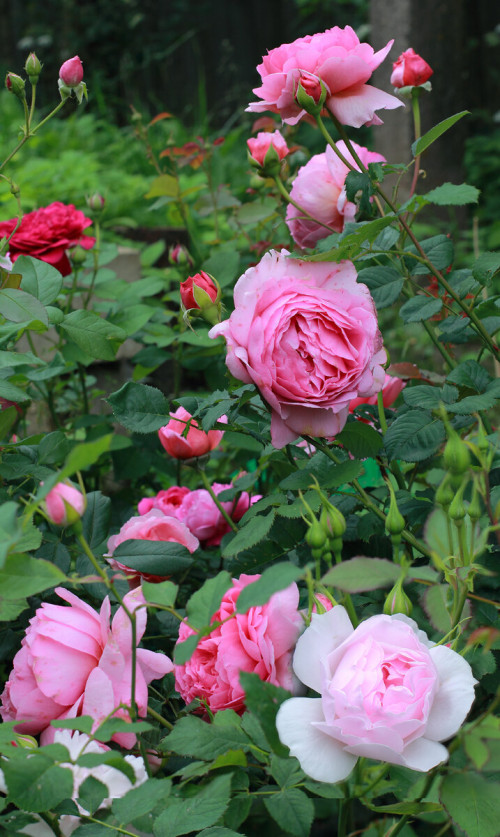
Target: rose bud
point(410, 70)
point(201, 293)
point(71, 72)
point(266, 151)
point(96, 203)
point(33, 68)
point(179, 255)
point(16, 85)
point(65, 504)
point(183, 439)
point(311, 93)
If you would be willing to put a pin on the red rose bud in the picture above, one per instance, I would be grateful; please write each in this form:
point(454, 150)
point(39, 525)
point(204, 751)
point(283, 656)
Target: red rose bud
point(202, 293)
point(16, 85)
point(71, 72)
point(311, 93)
point(410, 70)
point(179, 255)
point(33, 68)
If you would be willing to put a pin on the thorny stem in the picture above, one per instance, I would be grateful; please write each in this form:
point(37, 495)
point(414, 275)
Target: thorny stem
point(304, 212)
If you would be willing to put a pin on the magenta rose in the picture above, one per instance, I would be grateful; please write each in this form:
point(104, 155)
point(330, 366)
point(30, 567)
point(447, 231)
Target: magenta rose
point(319, 188)
point(386, 692)
point(390, 391)
point(183, 439)
point(259, 146)
point(47, 234)
point(260, 641)
point(169, 502)
point(204, 519)
point(336, 58)
point(73, 662)
point(152, 526)
point(306, 334)
point(71, 72)
point(410, 70)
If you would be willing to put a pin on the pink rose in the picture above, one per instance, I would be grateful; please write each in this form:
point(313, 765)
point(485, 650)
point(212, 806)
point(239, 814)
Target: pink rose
point(390, 391)
point(203, 518)
point(152, 526)
point(340, 61)
point(169, 502)
point(200, 280)
point(64, 504)
point(410, 70)
point(183, 439)
point(306, 334)
point(71, 72)
point(319, 188)
point(47, 234)
point(259, 641)
point(386, 692)
point(72, 662)
point(259, 146)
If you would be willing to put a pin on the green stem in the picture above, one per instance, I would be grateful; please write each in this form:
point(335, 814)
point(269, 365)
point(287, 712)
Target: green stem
point(304, 212)
point(403, 821)
point(29, 135)
point(161, 720)
point(216, 500)
point(111, 827)
point(415, 104)
point(381, 411)
point(95, 250)
point(343, 817)
point(81, 375)
point(460, 600)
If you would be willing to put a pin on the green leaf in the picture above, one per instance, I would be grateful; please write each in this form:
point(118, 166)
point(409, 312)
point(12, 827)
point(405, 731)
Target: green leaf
point(438, 249)
point(385, 284)
point(161, 558)
point(85, 455)
point(83, 724)
point(358, 181)
point(96, 519)
point(140, 408)
point(471, 375)
point(206, 601)
point(472, 802)
point(275, 578)
point(165, 184)
point(475, 403)
point(91, 793)
point(91, 829)
point(23, 576)
point(250, 534)
point(19, 359)
point(192, 736)
point(414, 436)
point(327, 474)
point(434, 602)
point(431, 136)
point(292, 810)
point(256, 212)
point(97, 337)
point(20, 307)
point(485, 268)
point(408, 808)
point(354, 237)
point(13, 393)
point(140, 801)
point(360, 439)
point(8, 419)
point(357, 575)
point(223, 264)
point(183, 651)
point(111, 726)
point(195, 812)
point(219, 831)
point(427, 397)
point(163, 593)
point(40, 279)
point(420, 307)
point(451, 194)
point(264, 700)
point(36, 784)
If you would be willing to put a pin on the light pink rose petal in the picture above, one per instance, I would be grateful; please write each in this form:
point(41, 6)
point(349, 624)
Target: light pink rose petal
point(423, 755)
point(454, 697)
point(325, 633)
point(153, 665)
point(320, 756)
point(357, 106)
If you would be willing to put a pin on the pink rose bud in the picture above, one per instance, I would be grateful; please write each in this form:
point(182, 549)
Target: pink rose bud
point(16, 85)
point(33, 68)
point(64, 504)
point(71, 72)
point(96, 202)
point(179, 255)
point(266, 149)
point(410, 70)
point(183, 439)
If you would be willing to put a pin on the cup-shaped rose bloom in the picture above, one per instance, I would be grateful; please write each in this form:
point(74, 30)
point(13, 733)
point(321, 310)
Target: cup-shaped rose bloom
point(259, 146)
point(336, 58)
point(306, 334)
point(386, 692)
point(319, 188)
point(183, 439)
point(73, 662)
point(390, 391)
point(200, 280)
point(152, 526)
point(64, 504)
point(410, 70)
point(71, 72)
point(204, 519)
point(169, 501)
point(260, 641)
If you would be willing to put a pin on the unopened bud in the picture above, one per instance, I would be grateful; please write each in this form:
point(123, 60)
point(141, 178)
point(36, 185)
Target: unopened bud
point(179, 255)
point(394, 522)
point(316, 536)
point(77, 255)
point(33, 68)
point(457, 509)
point(71, 72)
point(200, 294)
point(96, 203)
point(26, 742)
point(456, 457)
point(475, 510)
point(311, 93)
point(333, 522)
point(445, 493)
point(16, 85)
point(397, 601)
point(65, 504)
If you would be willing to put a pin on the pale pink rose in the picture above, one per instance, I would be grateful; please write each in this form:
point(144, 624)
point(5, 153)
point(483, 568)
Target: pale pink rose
point(390, 391)
point(386, 693)
point(195, 442)
point(306, 334)
point(169, 501)
point(64, 504)
point(72, 662)
point(152, 526)
point(204, 519)
point(410, 70)
point(340, 61)
point(259, 146)
point(71, 72)
point(259, 641)
point(319, 188)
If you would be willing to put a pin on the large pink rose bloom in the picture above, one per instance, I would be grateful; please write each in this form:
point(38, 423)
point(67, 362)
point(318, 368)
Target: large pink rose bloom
point(319, 188)
point(152, 526)
point(259, 641)
point(390, 391)
point(340, 61)
point(72, 662)
point(306, 334)
point(185, 444)
point(386, 692)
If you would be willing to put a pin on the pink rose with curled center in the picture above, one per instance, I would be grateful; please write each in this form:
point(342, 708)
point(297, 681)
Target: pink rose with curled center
point(410, 70)
point(71, 72)
point(169, 502)
point(73, 662)
point(259, 146)
point(340, 61)
point(319, 188)
point(386, 692)
point(260, 641)
point(183, 439)
point(390, 391)
point(152, 526)
point(306, 334)
point(64, 504)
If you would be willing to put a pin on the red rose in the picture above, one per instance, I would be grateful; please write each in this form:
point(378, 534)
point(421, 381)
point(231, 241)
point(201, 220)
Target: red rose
point(47, 233)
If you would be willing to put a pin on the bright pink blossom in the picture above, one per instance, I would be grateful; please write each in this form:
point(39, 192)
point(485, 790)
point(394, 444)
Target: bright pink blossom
point(259, 146)
point(410, 70)
point(64, 504)
point(340, 61)
point(152, 526)
point(390, 391)
point(169, 502)
point(183, 439)
point(306, 334)
point(386, 692)
point(319, 188)
point(73, 662)
point(260, 641)
point(200, 280)
point(71, 72)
